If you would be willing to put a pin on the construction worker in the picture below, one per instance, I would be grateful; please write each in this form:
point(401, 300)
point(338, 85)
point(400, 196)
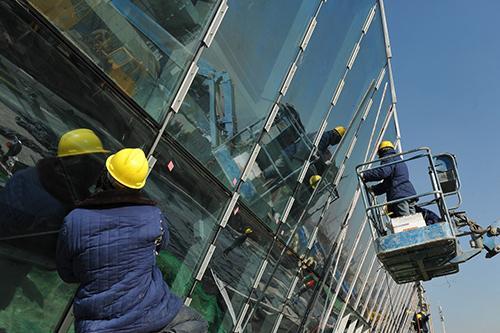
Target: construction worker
point(421, 321)
point(239, 240)
point(395, 179)
point(36, 199)
point(108, 245)
point(329, 139)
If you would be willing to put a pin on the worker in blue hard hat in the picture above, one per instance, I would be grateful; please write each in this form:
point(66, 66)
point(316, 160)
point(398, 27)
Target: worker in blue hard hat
point(395, 179)
point(108, 245)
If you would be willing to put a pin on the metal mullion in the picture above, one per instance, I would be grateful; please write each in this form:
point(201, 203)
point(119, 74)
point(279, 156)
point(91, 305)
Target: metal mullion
point(398, 302)
point(400, 309)
point(379, 285)
point(409, 312)
point(370, 291)
point(365, 283)
point(337, 93)
point(390, 308)
point(387, 305)
point(376, 307)
point(344, 273)
point(406, 300)
point(190, 74)
point(393, 309)
point(287, 80)
point(355, 280)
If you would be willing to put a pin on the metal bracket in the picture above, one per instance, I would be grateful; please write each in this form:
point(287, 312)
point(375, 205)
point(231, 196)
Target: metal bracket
point(354, 55)
point(369, 20)
point(288, 79)
point(339, 89)
point(229, 210)
point(216, 22)
point(184, 88)
point(272, 116)
point(250, 162)
point(308, 34)
point(204, 265)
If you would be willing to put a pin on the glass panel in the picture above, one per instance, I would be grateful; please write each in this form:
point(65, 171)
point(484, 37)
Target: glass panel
point(143, 45)
point(44, 174)
point(239, 78)
point(241, 248)
point(367, 279)
point(273, 289)
point(291, 138)
point(193, 206)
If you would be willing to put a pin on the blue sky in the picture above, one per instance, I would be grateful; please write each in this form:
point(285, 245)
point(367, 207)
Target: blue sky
point(447, 74)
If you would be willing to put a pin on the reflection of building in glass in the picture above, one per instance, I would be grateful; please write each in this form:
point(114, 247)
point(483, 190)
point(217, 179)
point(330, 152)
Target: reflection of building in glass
point(234, 104)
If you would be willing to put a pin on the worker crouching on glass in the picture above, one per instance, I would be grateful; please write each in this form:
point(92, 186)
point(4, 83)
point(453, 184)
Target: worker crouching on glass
point(395, 179)
point(109, 245)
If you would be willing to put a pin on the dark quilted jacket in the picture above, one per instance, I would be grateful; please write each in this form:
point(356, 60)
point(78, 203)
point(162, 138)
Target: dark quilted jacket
point(395, 178)
point(108, 246)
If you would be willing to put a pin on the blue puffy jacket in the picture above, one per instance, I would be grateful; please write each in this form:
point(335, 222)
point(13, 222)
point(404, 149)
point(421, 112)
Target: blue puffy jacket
point(108, 246)
point(395, 178)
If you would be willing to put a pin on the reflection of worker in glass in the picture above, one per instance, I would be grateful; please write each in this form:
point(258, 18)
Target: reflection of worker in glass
point(395, 181)
point(109, 244)
point(239, 240)
point(329, 139)
point(36, 199)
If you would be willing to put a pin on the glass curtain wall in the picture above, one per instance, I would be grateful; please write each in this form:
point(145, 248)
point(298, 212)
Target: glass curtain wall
point(144, 46)
point(47, 103)
point(270, 90)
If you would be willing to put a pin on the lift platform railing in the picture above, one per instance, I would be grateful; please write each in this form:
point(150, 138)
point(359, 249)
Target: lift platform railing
point(374, 209)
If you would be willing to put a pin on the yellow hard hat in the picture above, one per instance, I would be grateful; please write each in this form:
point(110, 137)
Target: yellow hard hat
point(129, 167)
point(314, 180)
point(340, 130)
point(385, 144)
point(78, 142)
point(248, 230)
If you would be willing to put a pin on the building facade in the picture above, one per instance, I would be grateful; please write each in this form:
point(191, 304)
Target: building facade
point(232, 101)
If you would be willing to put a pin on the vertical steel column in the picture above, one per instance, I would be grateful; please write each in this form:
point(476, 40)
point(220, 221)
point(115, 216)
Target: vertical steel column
point(389, 65)
point(398, 304)
point(385, 304)
point(382, 291)
point(389, 310)
point(349, 294)
point(287, 79)
point(365, 283)
point(411, 310)
point(407, 303)
point(372, 289)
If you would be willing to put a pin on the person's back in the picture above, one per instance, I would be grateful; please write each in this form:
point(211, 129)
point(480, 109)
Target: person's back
point(121, 288)
point(109, 245)
point(395, 179)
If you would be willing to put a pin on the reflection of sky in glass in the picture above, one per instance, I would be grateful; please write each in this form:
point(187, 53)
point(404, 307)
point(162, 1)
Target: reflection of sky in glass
point(324, 62)
point(256, 47)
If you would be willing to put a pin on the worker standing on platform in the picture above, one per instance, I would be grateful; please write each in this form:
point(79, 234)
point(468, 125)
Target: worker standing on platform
point(109, 245)
point(395, 181)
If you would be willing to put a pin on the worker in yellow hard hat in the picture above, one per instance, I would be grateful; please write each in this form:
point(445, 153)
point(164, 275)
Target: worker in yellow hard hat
point(109, 246)
point(314, 181)
point(36, 199)
point(323, 160)
point(55, 185)
point(247, 231)
point(395, 177)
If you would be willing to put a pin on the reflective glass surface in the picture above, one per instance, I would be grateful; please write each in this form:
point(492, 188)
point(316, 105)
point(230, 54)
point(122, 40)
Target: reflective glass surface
point(238, 82)
point(58, 126)
point(241, 248)
point(193, 205)
point(143, 45)
point(290, 141)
